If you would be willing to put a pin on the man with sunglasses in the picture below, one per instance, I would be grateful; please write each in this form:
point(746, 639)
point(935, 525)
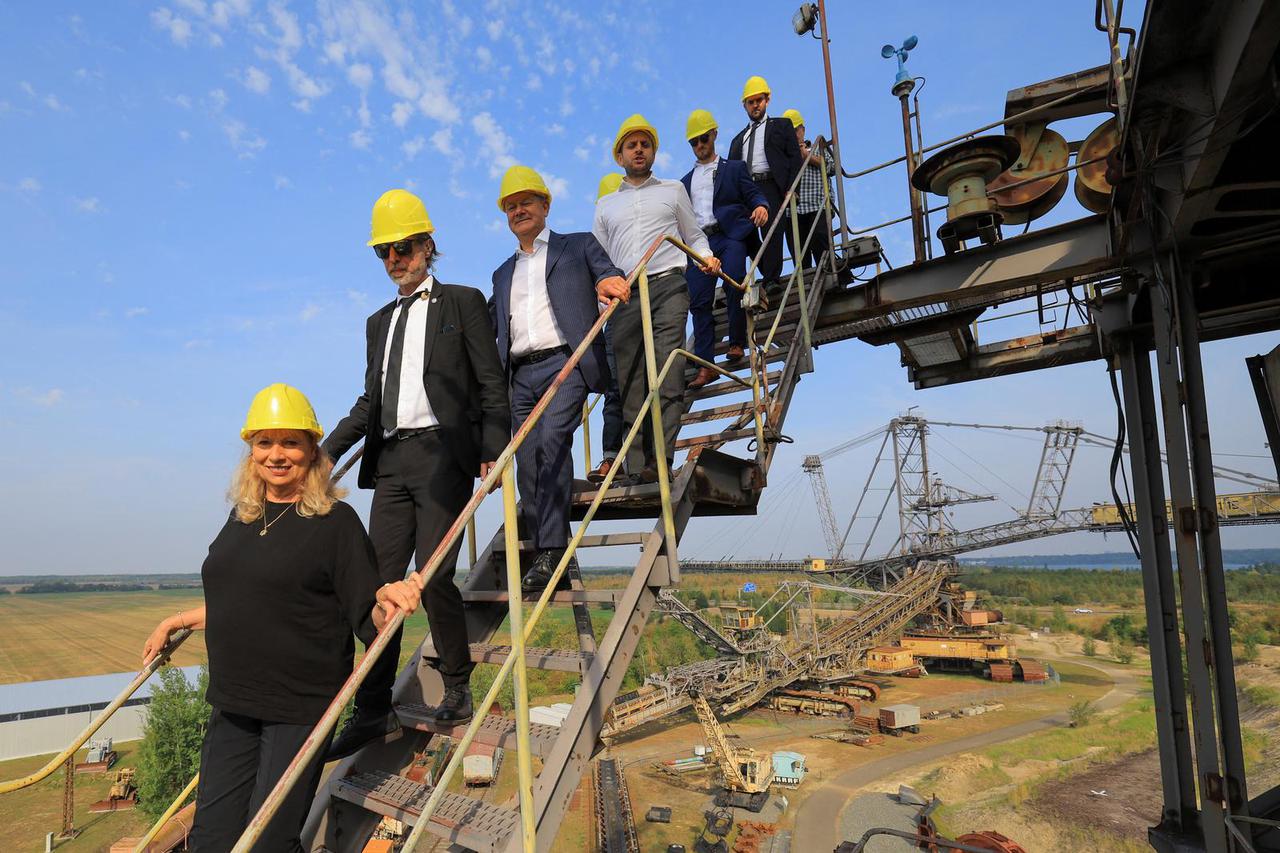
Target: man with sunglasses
point(627, 222)
point(729, 207)
point(769, 148)
point(433, 417)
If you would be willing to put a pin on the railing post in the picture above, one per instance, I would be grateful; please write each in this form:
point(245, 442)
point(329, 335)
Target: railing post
point(799, 274)
point(471, 542)
point(586, 434)
point(164, 818)
point(519, 674)
point(659, 438)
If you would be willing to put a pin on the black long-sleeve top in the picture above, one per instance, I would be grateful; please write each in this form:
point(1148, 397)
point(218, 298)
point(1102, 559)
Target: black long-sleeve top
point(281, 610)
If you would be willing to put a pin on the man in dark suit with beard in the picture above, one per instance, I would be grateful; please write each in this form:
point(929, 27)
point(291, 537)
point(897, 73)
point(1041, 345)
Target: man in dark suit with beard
point(769, 147)
point(433, 416)
point(546, 297)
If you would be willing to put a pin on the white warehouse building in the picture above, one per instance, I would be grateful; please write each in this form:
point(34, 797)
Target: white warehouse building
point(40, 717)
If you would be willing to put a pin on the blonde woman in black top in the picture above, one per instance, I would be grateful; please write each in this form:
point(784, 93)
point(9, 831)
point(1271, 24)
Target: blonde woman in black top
point(289, 581)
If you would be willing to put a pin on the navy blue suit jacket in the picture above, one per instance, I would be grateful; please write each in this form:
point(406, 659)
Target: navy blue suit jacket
point(733, 196)
point(781, 151)
point(575, 264)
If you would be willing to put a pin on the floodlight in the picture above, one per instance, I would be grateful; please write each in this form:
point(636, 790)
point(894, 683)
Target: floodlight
point(805, 18)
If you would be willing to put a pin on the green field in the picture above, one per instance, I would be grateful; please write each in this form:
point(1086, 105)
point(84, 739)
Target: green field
point(65, 635)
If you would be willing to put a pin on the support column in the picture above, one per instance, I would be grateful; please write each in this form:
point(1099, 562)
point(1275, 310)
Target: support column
point(1200, 659)
point(1177, 772)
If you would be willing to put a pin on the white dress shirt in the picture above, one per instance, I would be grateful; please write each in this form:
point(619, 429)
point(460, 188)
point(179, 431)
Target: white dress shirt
point(413, 410)
point(759, 163)
point(702, 188)
point(628, 220)
point(533, 324)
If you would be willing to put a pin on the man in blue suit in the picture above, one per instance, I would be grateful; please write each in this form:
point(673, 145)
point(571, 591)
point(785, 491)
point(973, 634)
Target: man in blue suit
point(545, 299)
point(729, 207)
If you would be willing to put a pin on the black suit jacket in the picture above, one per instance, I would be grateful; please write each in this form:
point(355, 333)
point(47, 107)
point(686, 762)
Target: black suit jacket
point(462, 376)
point(576, 263)
point(781, 151)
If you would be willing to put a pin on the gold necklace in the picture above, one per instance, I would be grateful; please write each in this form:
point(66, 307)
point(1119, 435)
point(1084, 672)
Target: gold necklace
point(266, 524)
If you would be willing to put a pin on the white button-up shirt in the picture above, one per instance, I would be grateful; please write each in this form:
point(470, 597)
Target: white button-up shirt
point(533, 324)
point(628, 220)
point(702, 188)
point(413, 410)
point(759, 163)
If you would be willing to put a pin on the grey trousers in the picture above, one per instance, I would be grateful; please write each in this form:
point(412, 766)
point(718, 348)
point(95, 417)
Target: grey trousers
point(669, 301)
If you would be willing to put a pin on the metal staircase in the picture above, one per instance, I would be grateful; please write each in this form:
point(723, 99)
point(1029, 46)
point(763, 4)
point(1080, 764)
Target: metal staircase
point(712, 481)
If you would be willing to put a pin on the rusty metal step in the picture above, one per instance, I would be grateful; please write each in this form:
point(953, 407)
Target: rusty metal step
point(460, 819)
point(594, 541)
point(781, 338)
point(714, 438)
point(716, 414)
point(720, 387)
point(773, 356)
point(560, 660)
point(496, 730)
point(575, 596)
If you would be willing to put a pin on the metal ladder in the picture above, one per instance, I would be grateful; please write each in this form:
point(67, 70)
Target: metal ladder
point(368, 786)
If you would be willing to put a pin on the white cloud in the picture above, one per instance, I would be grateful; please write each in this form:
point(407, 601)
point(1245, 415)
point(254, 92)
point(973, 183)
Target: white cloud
point(361, 139)
point(224, 10)
point(184, 135)
point(662, 161)
point(559, 186)
point(309, 312)
point(52, 102)
point(195, 7)
point(411, 147)
point(256, 80)
point(442, 140)
point(456, 189)
point(360, 75)
point(130, 313)
point(92, 204)
point(556, 129)
point(401, 112)
point(197, 343)
point(485, 56)
point(183, 101)
point(49, 398)
point(494, 28)
point(218, 97)
point(359, 297)
point(179, 29)
point(495, 145)
point(29, 185)
point(581, 153)
point(290, 36)
point(28, 88)
point(283, 183)
point(244, 141)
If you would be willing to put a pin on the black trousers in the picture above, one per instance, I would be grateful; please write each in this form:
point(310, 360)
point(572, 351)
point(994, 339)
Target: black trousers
point(544, 466)
point(770, 268)
point(240, 762)
point(419, 491)
point(821, 238)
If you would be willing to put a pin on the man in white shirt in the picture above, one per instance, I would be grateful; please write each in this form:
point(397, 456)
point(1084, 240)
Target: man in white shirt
point(729, 207)
point(627, 222)
point(546, 297)
point(768, 146)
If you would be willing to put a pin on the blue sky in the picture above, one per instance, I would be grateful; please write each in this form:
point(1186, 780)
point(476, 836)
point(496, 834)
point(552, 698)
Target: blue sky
point(185, 189)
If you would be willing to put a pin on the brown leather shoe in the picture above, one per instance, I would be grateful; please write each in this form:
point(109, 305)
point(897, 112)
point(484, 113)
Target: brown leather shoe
point(602, 471)
point(705, 375)
point(735, 356)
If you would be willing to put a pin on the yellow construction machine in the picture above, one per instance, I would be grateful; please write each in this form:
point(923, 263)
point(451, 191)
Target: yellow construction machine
point(747, 772)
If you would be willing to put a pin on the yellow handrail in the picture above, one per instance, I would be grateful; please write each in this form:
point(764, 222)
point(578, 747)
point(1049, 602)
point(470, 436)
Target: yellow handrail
point(97, 722)
point(164, 818)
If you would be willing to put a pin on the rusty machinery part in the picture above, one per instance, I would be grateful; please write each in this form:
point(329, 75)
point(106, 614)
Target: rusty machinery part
point(990, 840)
point(1042, 150)
point(822, 704)
point(962, 172)
point(1093, 190)
point(868, 690)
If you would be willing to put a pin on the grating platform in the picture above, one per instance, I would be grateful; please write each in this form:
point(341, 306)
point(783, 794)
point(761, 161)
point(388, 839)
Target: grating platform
point(472, 823)
point(494, 731)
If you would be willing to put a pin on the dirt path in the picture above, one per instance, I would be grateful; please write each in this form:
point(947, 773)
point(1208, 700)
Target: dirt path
point(818, 819)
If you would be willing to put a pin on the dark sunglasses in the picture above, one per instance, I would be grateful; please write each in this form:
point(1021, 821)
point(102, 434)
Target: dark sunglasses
point(698, 140)
point(403, 248)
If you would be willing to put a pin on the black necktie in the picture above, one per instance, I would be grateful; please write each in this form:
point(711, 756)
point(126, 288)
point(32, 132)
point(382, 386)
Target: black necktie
point(391, 379)
point(751, 149)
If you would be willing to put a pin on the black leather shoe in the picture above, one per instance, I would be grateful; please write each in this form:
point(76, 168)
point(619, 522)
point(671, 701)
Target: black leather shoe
point(455, 708)
point(361, 729)
point(535, 580)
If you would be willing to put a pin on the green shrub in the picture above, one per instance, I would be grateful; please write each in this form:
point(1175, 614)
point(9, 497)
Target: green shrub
point(170, 751)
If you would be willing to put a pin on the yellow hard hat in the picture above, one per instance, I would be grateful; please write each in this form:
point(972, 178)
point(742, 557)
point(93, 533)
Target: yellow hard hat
point(281, 406)
point(608, 184)
point(700, 121)
point(796, 119)
point(632, 124)
point(519, 179)
point(398, 214)
point(755, 86)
